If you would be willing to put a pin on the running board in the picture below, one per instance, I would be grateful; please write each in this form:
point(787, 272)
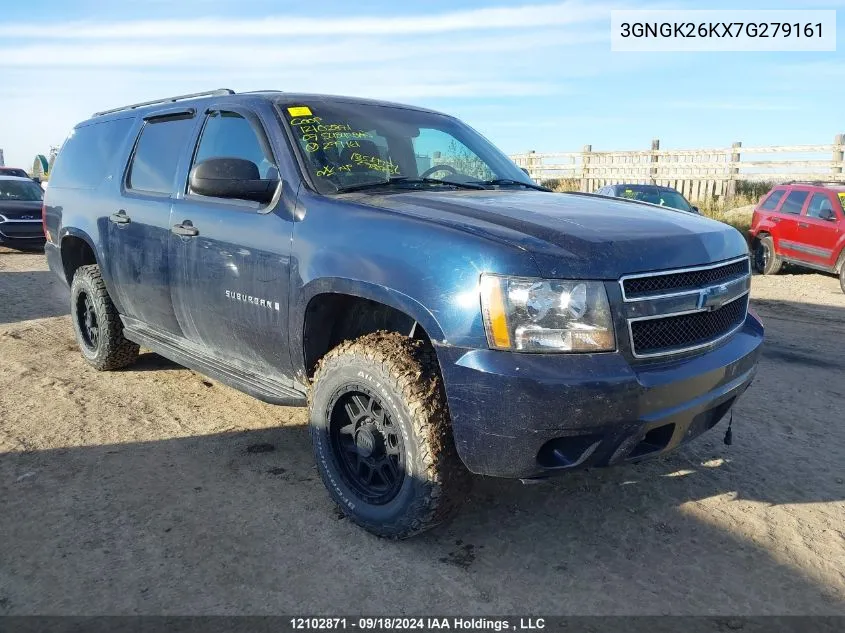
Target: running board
point(182, 351)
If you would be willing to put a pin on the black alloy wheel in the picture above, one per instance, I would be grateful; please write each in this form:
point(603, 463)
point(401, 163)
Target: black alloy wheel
point(368, 446)
point(86, 315)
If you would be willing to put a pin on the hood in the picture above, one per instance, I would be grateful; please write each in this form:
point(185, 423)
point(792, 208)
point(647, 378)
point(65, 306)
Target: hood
point(17, 210)
point(576, 235)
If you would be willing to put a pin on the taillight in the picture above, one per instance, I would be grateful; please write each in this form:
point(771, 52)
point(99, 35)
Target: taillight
point(44, 222)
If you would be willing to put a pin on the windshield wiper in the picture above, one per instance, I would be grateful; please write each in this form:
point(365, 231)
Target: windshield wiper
point(402, 180)
point(511, 181)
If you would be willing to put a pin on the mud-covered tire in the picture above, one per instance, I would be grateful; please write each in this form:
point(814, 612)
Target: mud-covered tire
point(402, 377)
point(109, 349)
point(766, 260)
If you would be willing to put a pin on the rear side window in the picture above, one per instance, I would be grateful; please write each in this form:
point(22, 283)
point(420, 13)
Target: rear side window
point(88, 155)
point(773, 199)
point(794, 202)
point(156, 157)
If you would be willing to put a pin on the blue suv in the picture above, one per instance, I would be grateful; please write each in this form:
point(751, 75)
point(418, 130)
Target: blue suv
point(386, 266)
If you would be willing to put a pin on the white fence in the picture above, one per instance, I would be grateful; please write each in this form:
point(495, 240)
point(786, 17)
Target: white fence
point(697, 173)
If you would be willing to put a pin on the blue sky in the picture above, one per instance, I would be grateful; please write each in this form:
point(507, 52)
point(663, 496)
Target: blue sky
point(537, 75)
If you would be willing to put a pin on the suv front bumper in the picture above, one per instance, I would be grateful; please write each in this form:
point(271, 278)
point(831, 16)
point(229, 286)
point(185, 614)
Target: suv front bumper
point(530, 415)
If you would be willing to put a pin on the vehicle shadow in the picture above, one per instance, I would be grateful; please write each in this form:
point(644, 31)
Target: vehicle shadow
point(6, 250)
point(34, 294)
point(150, 361)
point(240, 523)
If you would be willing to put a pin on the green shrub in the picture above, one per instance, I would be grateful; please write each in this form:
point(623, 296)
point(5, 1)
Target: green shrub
point(755, 189)
point(562, 184)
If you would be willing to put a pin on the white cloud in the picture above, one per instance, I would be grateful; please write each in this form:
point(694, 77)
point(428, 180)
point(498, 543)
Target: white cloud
point(289, 55)
point(56, 74)
point(732, 105)
point(517, 17)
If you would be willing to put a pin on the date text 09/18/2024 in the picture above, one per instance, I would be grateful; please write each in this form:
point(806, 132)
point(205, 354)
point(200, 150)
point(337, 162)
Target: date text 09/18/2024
point(416, 623)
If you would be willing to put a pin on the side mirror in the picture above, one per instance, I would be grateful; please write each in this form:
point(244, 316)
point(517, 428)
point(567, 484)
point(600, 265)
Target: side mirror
point(525, 169)
point(231, 178)
point(827, 214)
point(696, 210)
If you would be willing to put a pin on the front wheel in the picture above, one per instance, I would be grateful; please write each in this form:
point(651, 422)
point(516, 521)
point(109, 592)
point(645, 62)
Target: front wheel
point(766, 260)
point(842, 277)
point(381, 435)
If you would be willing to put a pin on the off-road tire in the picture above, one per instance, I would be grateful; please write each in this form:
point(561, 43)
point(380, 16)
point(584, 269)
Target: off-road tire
point(112, 350)
point(404, 376)
point(763, 265)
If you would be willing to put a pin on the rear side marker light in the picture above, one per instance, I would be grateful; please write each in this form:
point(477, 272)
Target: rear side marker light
point(44, 223)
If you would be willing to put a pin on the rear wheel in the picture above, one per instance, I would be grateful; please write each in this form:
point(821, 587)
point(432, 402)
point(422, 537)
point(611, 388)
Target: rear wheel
point(381, 435)
point(766, 260)
point(97, 324)
point(842, 278)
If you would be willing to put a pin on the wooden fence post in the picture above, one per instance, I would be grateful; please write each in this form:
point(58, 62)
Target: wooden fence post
point(733, 172)
point(585, 167)
point(531, 164)
point(652, 173)
point(838, 154)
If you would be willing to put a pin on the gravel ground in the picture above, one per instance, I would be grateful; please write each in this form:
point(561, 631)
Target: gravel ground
point(156, 490)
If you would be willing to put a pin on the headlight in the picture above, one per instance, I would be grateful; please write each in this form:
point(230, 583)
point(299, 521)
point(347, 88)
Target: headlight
point(546, 315)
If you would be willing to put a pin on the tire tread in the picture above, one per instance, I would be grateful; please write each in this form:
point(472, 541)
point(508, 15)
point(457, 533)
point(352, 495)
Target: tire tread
point(116, 351)
point(412, 367)
point(775, 260)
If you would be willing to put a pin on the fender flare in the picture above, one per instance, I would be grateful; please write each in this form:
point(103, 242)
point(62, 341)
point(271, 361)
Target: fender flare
point(82, 235)
point(365, 290)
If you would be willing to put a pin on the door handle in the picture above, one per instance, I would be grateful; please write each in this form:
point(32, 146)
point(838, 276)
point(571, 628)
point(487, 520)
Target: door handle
point(803, 225)
point(775, 220)
point(186, 229)
point(120, 217)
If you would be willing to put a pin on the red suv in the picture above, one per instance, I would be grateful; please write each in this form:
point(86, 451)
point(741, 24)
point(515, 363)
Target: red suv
point(800, 223)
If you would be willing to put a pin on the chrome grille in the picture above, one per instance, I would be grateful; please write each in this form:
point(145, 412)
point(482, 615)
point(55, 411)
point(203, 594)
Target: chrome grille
point(674, 311)
point(687, 330)
point(684, 280)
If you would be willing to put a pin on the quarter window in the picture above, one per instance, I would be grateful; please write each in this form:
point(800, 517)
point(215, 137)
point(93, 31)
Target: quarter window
point(794, 202)
point(156, 157)
point(228, 134)
point(773, 199)
point(88, 155)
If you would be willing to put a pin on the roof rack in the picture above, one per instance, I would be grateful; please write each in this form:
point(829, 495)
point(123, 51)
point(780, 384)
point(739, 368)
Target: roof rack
point(817, 183)
point(208, 93)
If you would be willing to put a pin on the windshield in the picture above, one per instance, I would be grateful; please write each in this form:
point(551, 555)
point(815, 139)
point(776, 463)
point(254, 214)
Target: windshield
point(662, 197)
point(351, 144)
point(23, 190)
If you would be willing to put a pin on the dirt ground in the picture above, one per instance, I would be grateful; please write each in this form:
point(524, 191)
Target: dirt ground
point(155, 490)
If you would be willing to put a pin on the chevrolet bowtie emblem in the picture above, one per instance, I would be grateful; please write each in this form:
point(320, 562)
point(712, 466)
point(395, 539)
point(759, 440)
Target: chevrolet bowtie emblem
point(712, 298)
